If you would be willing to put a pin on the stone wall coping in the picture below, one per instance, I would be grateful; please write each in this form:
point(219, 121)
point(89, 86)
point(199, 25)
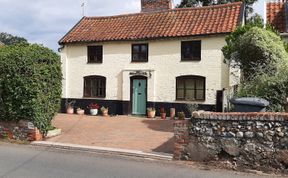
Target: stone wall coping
point(238, 116)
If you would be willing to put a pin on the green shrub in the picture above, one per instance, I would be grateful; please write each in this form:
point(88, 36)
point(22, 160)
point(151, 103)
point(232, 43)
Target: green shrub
point(273, 88)
point(265, 63)
point(30, 84)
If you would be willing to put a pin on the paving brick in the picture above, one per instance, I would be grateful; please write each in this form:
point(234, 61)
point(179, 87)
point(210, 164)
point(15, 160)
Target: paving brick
point(116, 132)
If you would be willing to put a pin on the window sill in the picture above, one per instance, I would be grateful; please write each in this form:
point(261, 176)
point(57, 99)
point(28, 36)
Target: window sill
point(139, 61)
point(94, 63)
point(178, 100)
point(190, 60)
point(85, 97)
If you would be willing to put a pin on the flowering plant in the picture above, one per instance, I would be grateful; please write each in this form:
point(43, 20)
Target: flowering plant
point(93, 106)
point(104, 109)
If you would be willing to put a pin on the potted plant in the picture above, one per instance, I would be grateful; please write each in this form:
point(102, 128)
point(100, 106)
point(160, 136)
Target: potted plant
point(163, 113)
point(80, 111)
point(93, 108)
point(70, 107)
point(104, 111)
point(172, 113)
point(181, 115)
point(151, 112)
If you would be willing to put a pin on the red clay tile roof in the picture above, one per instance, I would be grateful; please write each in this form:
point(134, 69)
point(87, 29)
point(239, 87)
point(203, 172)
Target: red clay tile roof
point(218, 19)
point(276, 15)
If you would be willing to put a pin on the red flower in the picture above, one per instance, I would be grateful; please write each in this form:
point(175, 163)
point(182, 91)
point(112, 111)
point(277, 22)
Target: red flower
point(94, 106)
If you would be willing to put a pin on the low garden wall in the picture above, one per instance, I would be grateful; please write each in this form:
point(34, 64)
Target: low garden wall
point(249, 140)
point(23, 131)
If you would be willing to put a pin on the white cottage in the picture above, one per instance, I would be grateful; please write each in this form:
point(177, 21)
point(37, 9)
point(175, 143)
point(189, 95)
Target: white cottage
point(160, 57)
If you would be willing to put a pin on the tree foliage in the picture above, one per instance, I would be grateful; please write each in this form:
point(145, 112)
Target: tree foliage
point(9, 39)
point(197, 3)
point(30, 84)
point(236, 53)
point(261, 55)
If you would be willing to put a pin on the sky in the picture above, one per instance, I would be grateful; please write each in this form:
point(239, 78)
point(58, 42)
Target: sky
point(47, 21)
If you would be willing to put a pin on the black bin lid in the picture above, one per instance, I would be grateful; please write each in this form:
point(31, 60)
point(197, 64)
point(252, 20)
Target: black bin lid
point(252, 101)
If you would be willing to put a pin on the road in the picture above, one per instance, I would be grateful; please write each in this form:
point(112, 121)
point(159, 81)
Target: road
point(27, 161)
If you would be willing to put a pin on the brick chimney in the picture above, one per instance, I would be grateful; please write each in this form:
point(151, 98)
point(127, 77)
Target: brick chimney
point(155, 5)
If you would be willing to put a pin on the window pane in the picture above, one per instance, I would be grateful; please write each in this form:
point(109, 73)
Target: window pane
point(95, 53)
point(143, 48)
point(200, 84)
point(191, 50)
point(187, 51)
point(87, 88)
point(190, 95)
point(180, 84)
point(200, 94)
point(139, 52)
point(136, 48)
point(190, 84)
point(142, 56)
point(180, 94)
point(94, 86)
point(135, 57)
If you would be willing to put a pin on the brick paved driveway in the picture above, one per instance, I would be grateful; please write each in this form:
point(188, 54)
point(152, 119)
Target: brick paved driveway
point(124, 132)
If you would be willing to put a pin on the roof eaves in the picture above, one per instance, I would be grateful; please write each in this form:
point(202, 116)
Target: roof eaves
point(146, 39)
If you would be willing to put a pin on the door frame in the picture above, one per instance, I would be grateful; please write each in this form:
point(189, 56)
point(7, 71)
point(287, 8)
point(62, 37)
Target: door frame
point(131, 90)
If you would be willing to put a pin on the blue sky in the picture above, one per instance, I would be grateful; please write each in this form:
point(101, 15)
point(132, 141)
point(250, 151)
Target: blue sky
point(46, 21)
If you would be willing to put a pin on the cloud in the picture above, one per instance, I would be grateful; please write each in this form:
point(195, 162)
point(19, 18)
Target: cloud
point(46, 21)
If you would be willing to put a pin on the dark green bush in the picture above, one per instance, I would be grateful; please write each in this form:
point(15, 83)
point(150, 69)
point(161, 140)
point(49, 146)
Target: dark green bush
point(266, 60)
point(30, 84)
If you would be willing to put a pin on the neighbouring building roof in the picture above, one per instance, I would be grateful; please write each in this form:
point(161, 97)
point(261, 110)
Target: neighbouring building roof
point(218, 19)
point(276, 15)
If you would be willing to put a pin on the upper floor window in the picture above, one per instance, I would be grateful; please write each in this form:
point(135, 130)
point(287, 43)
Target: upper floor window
point(139, 52)
point(95, 86)
point(191, 88)
point(95, 54)
point(191, 50)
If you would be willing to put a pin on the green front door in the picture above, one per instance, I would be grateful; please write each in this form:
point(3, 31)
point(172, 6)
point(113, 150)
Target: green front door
point(139, 97)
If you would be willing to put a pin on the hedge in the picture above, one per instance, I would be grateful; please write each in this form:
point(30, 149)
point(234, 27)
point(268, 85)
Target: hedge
point(30, 84)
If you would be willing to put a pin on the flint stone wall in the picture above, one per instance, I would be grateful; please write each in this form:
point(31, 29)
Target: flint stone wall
point(252, 140)
point(22, 130)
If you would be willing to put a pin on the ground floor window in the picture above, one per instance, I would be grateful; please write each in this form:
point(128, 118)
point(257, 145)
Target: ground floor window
point(190, 88)
point(95, 86)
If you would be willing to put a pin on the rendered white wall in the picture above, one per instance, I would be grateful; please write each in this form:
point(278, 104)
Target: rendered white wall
point(164, 61)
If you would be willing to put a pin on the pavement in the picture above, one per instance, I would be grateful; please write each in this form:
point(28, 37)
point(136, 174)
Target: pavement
point(103, 150)
point(120, 132)
point(34, 162)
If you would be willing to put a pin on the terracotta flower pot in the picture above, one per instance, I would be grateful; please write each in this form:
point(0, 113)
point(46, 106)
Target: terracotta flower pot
point(70, 110)
point(80, 112)
point(172, 113)
point(105, 113)
point(163, 115)
point(151, 114)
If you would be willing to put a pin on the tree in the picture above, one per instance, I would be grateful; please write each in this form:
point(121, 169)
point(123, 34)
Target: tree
point(30, 84)
point(197, 3)
point(260, 53)
point(9, 39)
point(237, 53)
